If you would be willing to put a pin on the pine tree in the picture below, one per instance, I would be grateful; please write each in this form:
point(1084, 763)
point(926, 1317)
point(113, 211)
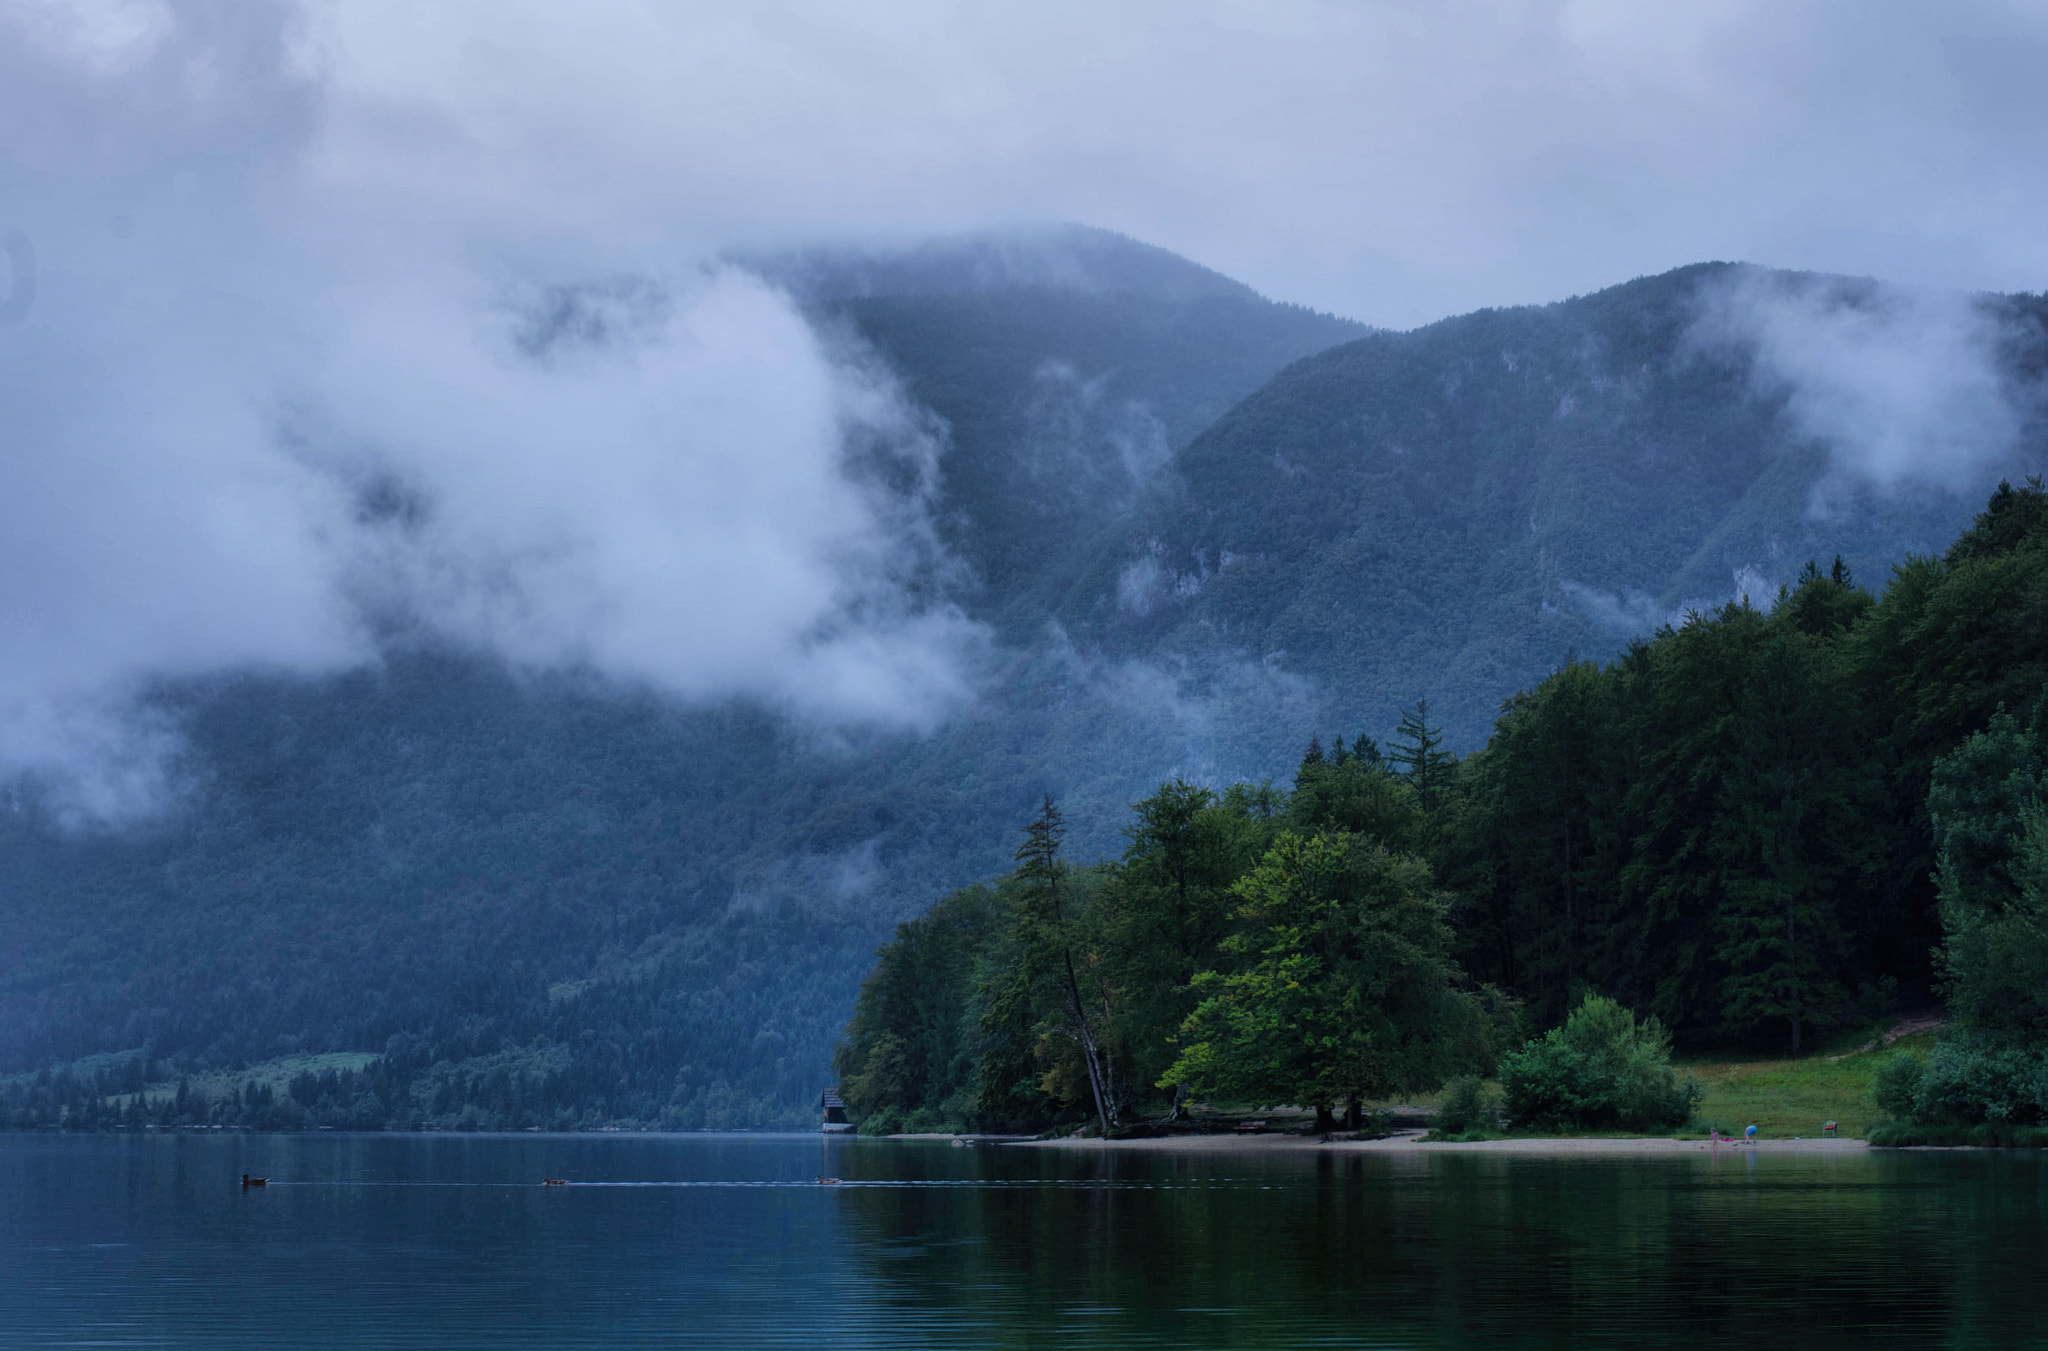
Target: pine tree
point(1046, 930)
point(1783, 814)
point(1419, 751)
point(1170, 906)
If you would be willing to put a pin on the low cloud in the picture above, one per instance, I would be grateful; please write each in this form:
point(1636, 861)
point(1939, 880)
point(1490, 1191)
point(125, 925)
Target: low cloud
point(1629, 613)
point(1623, 613)
point(1086, 446)
point(1902, 387)
point(261, 417)
point(1211, 718)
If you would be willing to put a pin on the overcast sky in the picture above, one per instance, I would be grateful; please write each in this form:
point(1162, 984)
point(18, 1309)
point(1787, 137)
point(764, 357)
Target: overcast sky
point(1395, 162)
point(268, 264)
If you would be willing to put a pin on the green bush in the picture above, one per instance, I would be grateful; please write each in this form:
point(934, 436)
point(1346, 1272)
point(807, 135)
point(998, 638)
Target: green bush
point(1902, 1134)
point(925, 1121)
point(1467, 1106)
point(1897, 1082)
point(882, 1121)
point(1970, 1078)
point(1601, 1070)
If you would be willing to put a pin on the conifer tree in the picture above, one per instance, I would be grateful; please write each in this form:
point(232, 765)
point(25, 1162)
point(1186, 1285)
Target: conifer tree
point(1170, 907)
point(1419, 751)
point(1783, 817)
point(1047, 931)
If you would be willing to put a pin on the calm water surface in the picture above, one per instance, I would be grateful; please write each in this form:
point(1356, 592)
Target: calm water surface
point(727, 1241)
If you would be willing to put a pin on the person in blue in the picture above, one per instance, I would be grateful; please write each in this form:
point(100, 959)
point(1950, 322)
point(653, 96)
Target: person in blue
point(1750, 1134)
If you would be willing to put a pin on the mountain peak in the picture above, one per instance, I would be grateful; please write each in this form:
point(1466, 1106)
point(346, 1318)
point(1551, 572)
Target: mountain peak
point(1063, 257)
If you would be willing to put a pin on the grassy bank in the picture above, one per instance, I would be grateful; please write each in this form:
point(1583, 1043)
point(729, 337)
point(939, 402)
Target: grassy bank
point(1783, 1098)
point(1793, 1097)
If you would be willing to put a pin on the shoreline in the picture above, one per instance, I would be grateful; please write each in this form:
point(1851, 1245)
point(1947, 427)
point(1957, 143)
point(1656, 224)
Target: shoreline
point(1410, 1142)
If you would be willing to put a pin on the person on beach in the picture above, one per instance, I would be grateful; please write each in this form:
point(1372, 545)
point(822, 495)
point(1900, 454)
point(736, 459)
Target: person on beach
point(1749, 1136)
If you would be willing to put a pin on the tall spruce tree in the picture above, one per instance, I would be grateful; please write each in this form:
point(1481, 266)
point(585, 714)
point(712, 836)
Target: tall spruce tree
point(1990, 812)
point(1169, 905)
point(1547, 816)
point(1785, 815)
point(1047, 929)
point(1418, 749)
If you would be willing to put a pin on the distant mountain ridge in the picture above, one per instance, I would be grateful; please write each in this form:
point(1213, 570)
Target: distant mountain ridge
point(1201, 525)
point(1057, 257)
point(1448, 512)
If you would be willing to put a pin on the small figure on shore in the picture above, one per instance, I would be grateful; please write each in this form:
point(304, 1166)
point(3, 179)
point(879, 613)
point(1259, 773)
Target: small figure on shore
point(248, 1181)
point(1749, 1135)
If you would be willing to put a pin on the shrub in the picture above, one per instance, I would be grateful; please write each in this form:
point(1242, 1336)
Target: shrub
point(1602, 1069)
point(1897, 1082)
point(1974, 1078)
point(925, 1121)
point(882, 1121)
point(1898, 1134)
point(1467, 1106)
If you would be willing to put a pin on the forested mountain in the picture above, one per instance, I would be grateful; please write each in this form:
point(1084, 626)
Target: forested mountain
point(580, 903)
point(1449, 512)
point(1200, 526)
point(1741, 827)
point(1070, 366)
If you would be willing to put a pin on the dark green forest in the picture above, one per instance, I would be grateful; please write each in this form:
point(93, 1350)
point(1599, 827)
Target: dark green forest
point(1752, 826)
point(1450, 512)
point(1197, 525)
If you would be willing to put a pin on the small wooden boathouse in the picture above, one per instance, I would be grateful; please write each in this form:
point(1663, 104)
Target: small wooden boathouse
point(834, 1120)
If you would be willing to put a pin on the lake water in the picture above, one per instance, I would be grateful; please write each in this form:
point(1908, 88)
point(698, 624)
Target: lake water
point(728, 1241)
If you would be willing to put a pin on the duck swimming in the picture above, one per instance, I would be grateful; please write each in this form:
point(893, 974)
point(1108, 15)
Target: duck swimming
point(248, 1181)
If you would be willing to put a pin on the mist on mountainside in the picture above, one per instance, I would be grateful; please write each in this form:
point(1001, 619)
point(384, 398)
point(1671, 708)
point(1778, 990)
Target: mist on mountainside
point(561, 625)
point(1449, 513)
point(643, 910)
point(261, 419)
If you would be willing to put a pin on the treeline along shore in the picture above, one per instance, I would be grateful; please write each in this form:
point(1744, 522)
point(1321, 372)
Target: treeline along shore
point(1750, 828)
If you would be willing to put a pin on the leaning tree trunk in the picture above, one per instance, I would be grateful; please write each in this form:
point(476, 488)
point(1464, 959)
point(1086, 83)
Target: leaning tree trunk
point(1091, 1058)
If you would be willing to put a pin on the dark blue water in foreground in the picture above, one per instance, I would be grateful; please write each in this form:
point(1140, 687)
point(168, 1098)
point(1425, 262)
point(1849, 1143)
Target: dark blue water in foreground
point(710, 1241)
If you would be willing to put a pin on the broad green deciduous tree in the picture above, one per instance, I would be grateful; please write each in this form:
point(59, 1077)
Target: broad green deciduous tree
point(1345, 989)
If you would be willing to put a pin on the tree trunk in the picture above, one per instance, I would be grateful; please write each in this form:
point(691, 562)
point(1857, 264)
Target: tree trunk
point(1090, 1058)
point(1570, 897)
point(1792, 959)
point(1325, 1123)
point(1354, 1115)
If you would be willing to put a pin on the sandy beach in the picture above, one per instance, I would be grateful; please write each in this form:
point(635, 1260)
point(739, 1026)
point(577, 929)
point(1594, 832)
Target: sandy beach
point(1411, 1142)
